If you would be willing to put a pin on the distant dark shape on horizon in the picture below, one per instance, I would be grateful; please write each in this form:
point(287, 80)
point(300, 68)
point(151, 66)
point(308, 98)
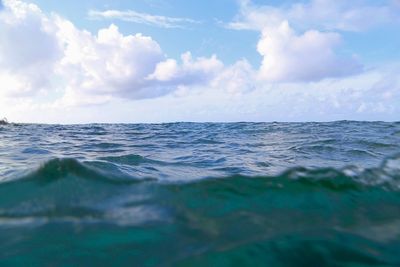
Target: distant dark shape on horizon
point(3, 121)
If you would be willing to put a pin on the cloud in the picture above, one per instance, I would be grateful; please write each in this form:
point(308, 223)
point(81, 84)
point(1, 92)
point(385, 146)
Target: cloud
point(345, 15)
point(236, 79)
point(304, 54)
point(28, 50)
point(191, 71)
point(288, 57)
point(108, 63)
point(48, 54)
point(330, 15)
point(134, 67)
point(142, 18)
point(373, 95)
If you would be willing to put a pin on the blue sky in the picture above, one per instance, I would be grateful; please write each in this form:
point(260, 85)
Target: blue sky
point(205, 38)
point(174, 60)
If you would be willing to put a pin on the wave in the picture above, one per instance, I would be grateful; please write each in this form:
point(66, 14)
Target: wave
point(132, 160)
point(69, 168)
point(387, 174)
point(301, 217)
point(66, 186)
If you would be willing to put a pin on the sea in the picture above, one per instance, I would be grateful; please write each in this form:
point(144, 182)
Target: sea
point(200, 194)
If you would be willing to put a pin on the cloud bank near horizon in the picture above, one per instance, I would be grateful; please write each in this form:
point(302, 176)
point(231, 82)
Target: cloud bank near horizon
point(47, 63)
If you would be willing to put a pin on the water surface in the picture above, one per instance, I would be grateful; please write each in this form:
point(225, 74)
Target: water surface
point(189, 194)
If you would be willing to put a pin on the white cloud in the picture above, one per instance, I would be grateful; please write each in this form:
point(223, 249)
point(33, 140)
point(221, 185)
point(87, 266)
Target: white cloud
point(28, 49)
point(236, 79)
point(198, 71)
point(373, 95)
point(112, 65)
point(319, 14)
point(48, 54)
point(142, 18)
point(345, 15)
point(108, 63)
point(311, 55)
point(165, 70)
point(289, 57)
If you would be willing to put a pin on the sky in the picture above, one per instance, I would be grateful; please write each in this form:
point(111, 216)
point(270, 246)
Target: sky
point(151, 61)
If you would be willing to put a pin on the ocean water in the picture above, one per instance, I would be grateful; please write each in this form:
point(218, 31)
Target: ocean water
point(191, 194)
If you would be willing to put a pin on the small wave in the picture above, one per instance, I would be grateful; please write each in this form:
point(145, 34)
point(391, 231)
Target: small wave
point(130, 159)
point(56, 169)
point(388, 173)
point(35, 151)
point(208, 141)
point(361, 153)
point(300, 217)
point(396, 133)
point(315, 148)
point(107, 145)
point(376, 144)
point(67, 187)
point(69, 191)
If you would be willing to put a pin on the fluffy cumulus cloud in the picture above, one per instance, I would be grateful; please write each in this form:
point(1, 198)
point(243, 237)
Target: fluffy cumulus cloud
point(108, 63)
point(47, 54)
point(311, 51)
point(190, 71)
point(237, 79)
point(29, 49)
point(307, 57)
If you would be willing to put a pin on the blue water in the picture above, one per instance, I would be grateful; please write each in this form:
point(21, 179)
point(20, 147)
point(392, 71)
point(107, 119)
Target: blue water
point(189, 194)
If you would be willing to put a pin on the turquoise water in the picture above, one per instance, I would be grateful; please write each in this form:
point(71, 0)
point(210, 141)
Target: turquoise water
point(187, 194)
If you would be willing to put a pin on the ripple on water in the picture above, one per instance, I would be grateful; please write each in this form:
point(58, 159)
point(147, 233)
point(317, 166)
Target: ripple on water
point(275, 194)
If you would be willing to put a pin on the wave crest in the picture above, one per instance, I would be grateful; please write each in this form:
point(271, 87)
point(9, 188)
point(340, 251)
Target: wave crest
point(347, 178)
